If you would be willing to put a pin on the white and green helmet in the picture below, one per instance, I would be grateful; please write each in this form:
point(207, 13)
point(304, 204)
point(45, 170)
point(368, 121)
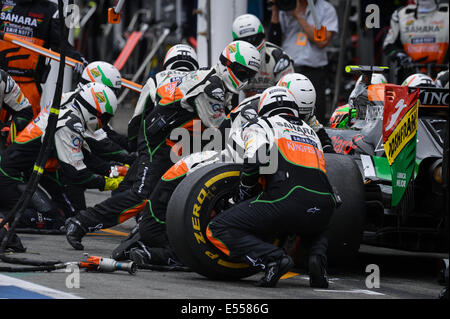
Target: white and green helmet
point(97, 103)
point(303, 91)
point(249, 28)
point(102, 72)
point(239, 62)
point(418, 79)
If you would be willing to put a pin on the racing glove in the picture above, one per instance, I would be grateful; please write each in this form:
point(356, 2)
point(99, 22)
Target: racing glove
point(79, 67)
point(245, 192)
point(118, 170)
point(405, 61)
point(112, 183)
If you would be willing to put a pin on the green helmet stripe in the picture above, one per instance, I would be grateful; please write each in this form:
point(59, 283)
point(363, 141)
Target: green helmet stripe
point(260, 29)
point(238, 56)
point(105, 79)
point(108, 106)
point(235, 36)
point(232, 82)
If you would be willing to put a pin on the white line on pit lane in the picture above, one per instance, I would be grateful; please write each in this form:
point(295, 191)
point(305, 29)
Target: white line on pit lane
point(10, 281)
point(353, 291)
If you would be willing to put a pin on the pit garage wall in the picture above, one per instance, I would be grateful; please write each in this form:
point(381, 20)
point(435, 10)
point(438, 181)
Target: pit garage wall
point(223, 14)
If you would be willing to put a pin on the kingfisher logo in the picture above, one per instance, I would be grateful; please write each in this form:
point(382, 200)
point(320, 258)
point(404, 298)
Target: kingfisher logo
point(7, 8)
point(100, 97)
point(95, 72)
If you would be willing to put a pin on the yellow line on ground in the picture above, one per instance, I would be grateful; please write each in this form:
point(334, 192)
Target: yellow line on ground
point(289, 275)
point(109, 232)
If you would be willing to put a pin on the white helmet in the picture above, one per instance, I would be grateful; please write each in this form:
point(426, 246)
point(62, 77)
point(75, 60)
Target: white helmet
point(238, 63)
point(247, 27)
point(102, 72)
point(442, 79)
point(418, 79)
point(377, 78)
point(277, 100)
point(303, 91)
point(181, 57)
point(97, 103)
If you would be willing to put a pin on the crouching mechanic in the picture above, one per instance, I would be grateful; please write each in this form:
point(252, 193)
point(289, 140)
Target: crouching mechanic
point(15, 110)
point(275, 63)
point(197, 95)
point(298, 198)
point(88, 110)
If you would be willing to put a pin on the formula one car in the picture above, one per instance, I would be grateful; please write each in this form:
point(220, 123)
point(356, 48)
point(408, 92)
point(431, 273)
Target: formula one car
point(406, 173)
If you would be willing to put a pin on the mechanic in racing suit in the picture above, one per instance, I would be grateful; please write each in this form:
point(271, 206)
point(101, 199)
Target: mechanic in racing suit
point(180, 59)
point(91, 108)
point(197, 95)
point(14, 102)
point(150, 236)
point(101, 154)
point(107, 143)
point(305, 96)
point(35, 21)
point(418, 34)
point(275, 63)
point(297, 199)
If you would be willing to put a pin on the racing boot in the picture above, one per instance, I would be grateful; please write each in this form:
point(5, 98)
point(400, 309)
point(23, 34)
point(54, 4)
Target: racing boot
point(122, 251)
point(14, 243)
point(74, 233)
point(318, 277)
point(274, 270)
point(146, 256)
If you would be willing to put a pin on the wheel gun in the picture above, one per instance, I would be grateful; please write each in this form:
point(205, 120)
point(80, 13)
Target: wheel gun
point(96, 263)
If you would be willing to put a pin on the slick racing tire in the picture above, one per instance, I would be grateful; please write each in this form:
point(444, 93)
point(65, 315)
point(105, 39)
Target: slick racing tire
point(347, 222)
point(193, 204)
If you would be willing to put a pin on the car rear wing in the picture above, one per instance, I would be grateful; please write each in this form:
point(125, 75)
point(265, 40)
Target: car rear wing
point(366, 71)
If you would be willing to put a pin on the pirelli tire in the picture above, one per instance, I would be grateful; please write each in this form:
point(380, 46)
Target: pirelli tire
point(189, 211)
point(347, 222)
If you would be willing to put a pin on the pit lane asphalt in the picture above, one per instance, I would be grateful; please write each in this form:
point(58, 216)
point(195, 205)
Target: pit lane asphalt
point(403, 275)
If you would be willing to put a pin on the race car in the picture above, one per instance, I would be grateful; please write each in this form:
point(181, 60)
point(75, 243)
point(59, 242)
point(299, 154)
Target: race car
point(407, 207)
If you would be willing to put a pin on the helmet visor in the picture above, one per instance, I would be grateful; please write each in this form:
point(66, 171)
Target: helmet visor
point(241, 72)
point(255, 39)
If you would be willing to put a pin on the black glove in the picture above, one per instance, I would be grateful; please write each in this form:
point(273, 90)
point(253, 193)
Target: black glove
point(79, 67)
point(403, 59)
point(328, 149)
point(245, 192)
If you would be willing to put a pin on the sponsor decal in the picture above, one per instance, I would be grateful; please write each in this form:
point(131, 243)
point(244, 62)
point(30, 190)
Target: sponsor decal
point(7, 8)
point(232, 48)
point(433, 96)
point(15, 18)
point(401, 139)
point(100, 97)
point(95, 72)
point(422, 28)
point(399, 120)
